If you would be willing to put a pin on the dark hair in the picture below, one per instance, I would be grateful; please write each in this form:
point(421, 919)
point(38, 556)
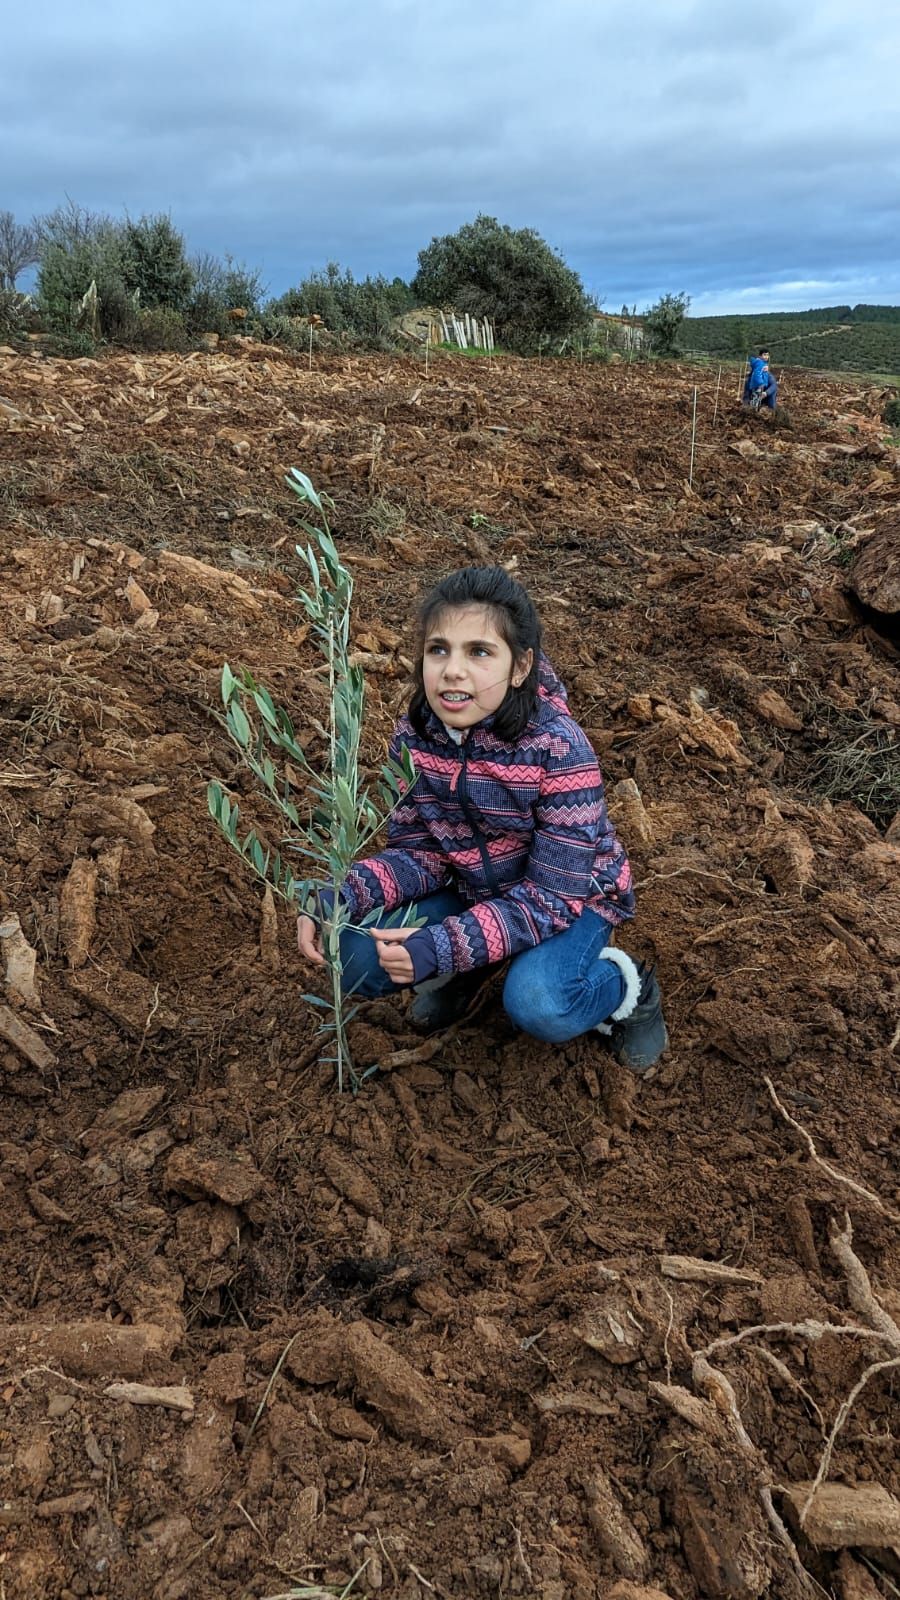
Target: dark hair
point(764, 349)
point(517, 623)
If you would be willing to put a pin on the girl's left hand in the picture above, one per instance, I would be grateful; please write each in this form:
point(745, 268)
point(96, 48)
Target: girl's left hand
point(391, 954)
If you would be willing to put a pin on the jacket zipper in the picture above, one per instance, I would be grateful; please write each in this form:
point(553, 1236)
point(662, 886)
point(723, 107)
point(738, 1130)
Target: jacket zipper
point(462, 794)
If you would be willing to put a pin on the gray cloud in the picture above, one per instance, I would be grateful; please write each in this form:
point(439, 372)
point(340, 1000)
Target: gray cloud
point(747, 155)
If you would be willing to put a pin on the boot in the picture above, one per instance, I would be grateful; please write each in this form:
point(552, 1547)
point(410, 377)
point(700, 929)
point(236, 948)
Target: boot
point(637, 1029)
point(438, 1006)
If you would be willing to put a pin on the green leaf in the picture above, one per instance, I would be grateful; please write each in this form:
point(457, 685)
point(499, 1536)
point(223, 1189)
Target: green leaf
point(229, 683)
point(237, 722)
point(344, 801)
point(266, 705)
point(336, 572)
point(302, 487)
point(316, 1000)
point(407, 765)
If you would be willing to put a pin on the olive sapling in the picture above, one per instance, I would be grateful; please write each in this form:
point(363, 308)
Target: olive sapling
point(336, 816)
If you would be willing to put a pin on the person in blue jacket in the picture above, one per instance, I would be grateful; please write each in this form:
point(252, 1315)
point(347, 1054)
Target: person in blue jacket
point(759, 377)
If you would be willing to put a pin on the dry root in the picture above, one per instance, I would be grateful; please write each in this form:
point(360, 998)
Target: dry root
point(717, 1392)
point(833, 1172)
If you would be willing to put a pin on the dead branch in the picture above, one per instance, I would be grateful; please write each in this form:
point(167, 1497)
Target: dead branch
point(839, 1177)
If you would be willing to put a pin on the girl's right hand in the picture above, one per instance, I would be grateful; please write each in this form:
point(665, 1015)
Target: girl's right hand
point(309, 941)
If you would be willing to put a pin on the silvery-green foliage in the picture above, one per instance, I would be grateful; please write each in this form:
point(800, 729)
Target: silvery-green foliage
point(326, 828)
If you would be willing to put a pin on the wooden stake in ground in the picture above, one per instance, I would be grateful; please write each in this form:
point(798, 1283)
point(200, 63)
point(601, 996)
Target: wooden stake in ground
point(310, 346)
point(693, 440)
point(716, 406)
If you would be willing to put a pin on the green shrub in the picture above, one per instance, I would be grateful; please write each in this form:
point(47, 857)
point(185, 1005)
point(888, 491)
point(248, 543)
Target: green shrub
point(662, 323)
point(511, 276)
point(220, 287)
point(273, 327)
point(71, 346)
point(13, 313)
point(79, 248)
point(891, 413)
point(137, 267)
point(155, 267)
point(361, 313)
point(241, 286)
point(159, 328)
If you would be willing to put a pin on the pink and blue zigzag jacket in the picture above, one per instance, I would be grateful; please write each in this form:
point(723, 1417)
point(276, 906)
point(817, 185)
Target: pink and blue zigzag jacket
point(520, 832)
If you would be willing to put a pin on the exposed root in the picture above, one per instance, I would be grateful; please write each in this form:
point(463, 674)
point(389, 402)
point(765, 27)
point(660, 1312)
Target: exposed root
point(839, 1177)
point(418, 1052)
point(859, 1288)
point(790, 1330)
point(720, 1410)
point(715, 1386)
point(785, 1374)
point(840, 1419)
point(719, 1390)
point(883, 1327)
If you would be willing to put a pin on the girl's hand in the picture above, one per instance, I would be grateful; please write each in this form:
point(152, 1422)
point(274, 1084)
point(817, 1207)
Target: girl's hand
point(391, 954)
point(309, 941)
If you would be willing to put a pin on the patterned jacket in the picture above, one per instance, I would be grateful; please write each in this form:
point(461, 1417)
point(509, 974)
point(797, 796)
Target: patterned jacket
point(519, 830)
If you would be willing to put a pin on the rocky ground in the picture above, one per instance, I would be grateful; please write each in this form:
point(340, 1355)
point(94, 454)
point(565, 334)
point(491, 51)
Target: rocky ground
point(492, 1326)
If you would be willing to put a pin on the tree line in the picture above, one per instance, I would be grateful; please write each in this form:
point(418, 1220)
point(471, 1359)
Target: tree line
point(132, 282)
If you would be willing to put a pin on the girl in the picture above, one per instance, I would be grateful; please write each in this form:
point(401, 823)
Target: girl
point(502, 844)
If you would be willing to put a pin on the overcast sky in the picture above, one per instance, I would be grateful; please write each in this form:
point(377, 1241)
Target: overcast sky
point(746, 153)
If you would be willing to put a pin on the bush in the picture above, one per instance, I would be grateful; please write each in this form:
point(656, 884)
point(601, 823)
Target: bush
point(138, 267)
point(71, 346)
point(155, 267)
point(159, 328)
point(220, 287)
point(363, 313)
point(13, 313)
point(273, 327)
point(891, 413)
point(511, 276)
point(79, 248)
point(662, 323)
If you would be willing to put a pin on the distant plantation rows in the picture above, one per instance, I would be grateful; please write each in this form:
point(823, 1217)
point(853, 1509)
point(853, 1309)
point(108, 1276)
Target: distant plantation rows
point(835, 338)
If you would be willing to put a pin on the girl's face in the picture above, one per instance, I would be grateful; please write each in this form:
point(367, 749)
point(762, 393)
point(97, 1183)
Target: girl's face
point(467, 666)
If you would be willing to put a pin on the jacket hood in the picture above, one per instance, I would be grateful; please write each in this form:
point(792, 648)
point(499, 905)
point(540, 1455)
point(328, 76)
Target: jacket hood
point(550, 687)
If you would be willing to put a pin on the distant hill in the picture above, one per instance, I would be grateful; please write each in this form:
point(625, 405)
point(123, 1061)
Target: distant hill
point(840, 338)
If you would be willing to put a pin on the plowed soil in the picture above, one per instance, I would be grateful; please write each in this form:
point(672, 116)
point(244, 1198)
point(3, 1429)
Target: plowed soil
point(429, 1331)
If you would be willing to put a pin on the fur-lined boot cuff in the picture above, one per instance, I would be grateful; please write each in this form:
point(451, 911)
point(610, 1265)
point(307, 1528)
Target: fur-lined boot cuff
point(632, 977)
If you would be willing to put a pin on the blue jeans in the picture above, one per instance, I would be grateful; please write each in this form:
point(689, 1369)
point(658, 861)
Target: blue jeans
point(555, 991)
point(770, 391)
